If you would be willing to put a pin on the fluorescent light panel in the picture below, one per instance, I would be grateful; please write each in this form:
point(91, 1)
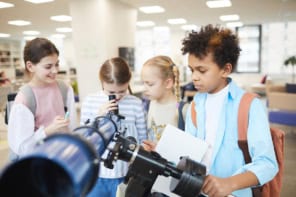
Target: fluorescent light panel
point(29, 38)
point(61, 18)
point(152, 9)
point(31, 33)
point(177, 21)
point(64, 29)
point(218, 3)
point(39, 1)
point(3, 35)
point(58, 36)
point(232, 17)
point(19, 23)
point(145, 23)
point(234, 24)
point(6, 5)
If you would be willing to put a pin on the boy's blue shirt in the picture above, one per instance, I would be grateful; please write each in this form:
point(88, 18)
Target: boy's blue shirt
point(227, 159)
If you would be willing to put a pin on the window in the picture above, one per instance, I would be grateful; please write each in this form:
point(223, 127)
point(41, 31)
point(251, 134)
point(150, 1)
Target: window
point(250, 43)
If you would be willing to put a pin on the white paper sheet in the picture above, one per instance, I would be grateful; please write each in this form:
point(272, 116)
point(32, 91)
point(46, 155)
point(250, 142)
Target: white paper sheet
point(173, 144)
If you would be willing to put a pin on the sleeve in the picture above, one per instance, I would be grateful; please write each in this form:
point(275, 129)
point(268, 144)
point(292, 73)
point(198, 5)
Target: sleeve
point(141, 123)
point(264, 164)
point(85, 114)
point(21, 135)
point(71, 109)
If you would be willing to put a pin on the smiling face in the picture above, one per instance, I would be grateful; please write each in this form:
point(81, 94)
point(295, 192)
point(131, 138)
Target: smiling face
point(155, 86)
point(207, 76)
point(45, 71)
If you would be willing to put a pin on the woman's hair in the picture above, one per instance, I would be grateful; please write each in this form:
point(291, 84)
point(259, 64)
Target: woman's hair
point(115, 70)
point(37, 49)
point(167, 69)
point(221, 42)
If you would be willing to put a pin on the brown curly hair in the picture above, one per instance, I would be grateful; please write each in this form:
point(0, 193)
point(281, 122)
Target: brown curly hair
point(222, 42)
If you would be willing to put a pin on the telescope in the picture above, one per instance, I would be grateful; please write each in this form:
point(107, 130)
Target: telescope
point(67, 165)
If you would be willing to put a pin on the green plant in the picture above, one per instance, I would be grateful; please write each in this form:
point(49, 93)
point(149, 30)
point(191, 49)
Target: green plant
point(291, 61)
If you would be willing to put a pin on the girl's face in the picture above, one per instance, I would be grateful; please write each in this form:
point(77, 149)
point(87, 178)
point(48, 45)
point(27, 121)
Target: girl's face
point(45, 71)
point(119, 90)
point(207, 76)
point(155, 86)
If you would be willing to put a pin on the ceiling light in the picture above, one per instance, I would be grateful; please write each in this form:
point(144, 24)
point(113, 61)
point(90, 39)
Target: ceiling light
point(234, 24)
point(61, 18)
point(218, 3)
point(29, 38)
point(177, 21)
point(58, 36)
point(5, 5)
point(64, 29)
point(31, 33)
point(3, 35)
point(233, 17)
point(189, 27)
point(145, 23)
point(39, 1)
point(151, 9)
point(19, 22)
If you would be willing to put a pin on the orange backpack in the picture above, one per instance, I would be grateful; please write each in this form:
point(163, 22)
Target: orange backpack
point(273, 187)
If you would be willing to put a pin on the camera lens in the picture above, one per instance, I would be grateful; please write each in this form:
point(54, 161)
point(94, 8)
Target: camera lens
point(113, 97)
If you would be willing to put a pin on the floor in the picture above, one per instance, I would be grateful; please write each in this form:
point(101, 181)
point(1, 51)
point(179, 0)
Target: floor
point(289, 181)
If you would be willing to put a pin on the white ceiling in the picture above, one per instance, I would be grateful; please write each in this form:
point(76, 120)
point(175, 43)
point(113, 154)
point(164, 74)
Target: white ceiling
point(194, 11)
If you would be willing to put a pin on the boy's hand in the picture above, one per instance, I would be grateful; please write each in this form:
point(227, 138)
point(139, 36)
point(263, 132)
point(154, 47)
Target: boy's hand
point(149, 145)
point(217, 187)
point(58, 125)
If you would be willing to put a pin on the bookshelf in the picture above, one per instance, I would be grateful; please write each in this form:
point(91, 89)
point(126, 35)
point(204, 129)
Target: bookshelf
point(10, 57)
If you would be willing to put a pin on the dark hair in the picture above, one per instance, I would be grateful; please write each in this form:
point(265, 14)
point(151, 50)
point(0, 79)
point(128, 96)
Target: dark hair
point(221, 42)
point(37, 49)
point(115, 70)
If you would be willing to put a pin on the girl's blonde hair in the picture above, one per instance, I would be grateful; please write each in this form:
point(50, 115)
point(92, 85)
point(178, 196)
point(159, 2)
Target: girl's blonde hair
point(115, 70)
point(168, 69)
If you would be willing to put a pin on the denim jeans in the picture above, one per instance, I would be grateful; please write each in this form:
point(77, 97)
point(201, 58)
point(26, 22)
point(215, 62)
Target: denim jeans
point(105, 187)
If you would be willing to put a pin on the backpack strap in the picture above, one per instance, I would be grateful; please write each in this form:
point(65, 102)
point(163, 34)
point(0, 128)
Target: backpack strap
point(193, 114)
point(64, 91)
point(243, 120)
point(30, 97)
point(181, 122)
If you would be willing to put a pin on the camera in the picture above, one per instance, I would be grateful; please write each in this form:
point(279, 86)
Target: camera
point(113, 97)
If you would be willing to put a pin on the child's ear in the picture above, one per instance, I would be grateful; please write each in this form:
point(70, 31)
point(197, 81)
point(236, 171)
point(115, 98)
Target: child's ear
point(30, 66)
point(227, 69)
point(169, 83)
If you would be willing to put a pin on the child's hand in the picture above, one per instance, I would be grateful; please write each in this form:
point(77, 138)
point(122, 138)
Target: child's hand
point(149, 145)
point(58, 125)
point(109, 106)
point(216, 187)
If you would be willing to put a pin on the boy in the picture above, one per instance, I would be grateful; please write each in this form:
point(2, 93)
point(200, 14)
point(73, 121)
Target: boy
point(213, 55)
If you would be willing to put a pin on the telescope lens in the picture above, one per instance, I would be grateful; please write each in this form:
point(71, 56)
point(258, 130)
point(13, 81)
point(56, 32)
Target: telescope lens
point(36, 177)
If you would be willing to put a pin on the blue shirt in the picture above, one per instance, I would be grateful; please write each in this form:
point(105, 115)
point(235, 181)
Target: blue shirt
point(227, 157)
